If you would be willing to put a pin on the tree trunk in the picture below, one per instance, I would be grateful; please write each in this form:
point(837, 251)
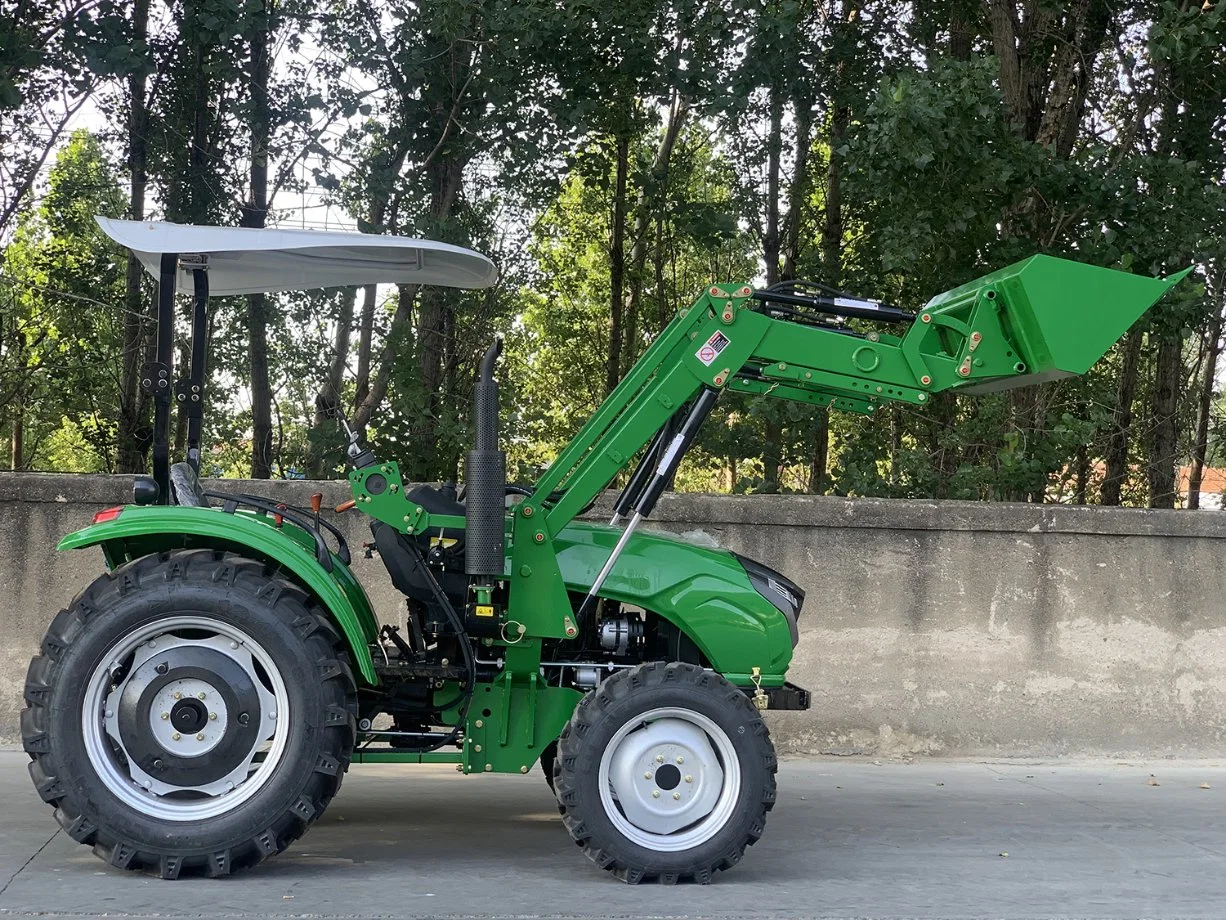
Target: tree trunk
point(650, 193)
point(330, 391)
point(832, 225)
point(772, 448)
point(895, 442)
point(396, 332)
point(1204, 410)
point(942, 417)
point(1021, 46)
point(1085, 28)
point(17, 441)
point(821, 452)
point(1082, 467)
point(366, 328)
point(772, 457)
point(130, 456)
point(617, 260)
point(774, 149)
point(261, 390)
point(1164, 429)
point(798, 188)
point(961, 30)
point(1116, 460)
point(255, 214)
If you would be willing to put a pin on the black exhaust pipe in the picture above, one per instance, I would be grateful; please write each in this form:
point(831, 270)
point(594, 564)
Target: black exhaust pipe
point(486, 478)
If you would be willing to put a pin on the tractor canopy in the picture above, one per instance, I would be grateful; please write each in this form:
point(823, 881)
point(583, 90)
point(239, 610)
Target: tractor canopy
point(242, 260)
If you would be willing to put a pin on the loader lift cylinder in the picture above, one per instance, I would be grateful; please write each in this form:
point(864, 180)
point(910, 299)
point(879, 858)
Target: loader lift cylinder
point(670, 454)
point(486, 478)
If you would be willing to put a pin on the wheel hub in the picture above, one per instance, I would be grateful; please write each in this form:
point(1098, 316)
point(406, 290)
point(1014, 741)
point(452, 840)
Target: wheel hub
point(666, 776)
point(189, 717)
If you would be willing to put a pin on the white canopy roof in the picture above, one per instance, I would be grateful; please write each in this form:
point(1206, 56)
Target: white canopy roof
point(242, 260)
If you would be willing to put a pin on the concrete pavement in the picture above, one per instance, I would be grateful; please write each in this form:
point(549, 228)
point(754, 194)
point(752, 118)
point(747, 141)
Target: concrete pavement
point(848, 839)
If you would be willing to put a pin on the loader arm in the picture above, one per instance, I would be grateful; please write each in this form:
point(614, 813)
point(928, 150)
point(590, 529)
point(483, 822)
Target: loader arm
point(1040, 319)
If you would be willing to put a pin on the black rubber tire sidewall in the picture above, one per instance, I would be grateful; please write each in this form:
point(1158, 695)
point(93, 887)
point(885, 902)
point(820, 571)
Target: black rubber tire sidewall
point(266, 608)
point(618, 701)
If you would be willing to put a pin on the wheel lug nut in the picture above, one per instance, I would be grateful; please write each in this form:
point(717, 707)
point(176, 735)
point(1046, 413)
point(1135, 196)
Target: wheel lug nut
point(233, 644)
point(647, 775)
point(110, 713)
point(655, 793)
point(147, 784)
point(175, 737)
point(178, 695)
point(200, 736)
point(676, 795)
point(689, 779)
point(659, 758)
point(680, 760)
point(165, 715)
point(212, 717)
point(200, 695)
point(162, 668)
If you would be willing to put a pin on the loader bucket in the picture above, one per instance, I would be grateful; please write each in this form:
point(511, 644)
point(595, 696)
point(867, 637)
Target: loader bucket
point(1039, 319)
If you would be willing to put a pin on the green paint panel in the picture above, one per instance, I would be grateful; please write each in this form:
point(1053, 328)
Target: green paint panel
point(512, 720)
point(1057, 317)
point(140, 530)
point(702, 590)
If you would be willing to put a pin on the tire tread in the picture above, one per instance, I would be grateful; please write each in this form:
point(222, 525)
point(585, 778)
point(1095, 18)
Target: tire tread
point(593, 708)
point(228, 572)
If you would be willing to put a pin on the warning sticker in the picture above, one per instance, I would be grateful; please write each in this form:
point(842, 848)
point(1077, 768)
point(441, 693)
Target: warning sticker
point(711, 348)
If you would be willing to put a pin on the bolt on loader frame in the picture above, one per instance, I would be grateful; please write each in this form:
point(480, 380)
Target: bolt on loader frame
point(634, 665)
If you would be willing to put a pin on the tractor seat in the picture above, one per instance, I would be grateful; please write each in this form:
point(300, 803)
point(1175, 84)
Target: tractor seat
point(185, 486)
point(440, 501)
point(436, 501)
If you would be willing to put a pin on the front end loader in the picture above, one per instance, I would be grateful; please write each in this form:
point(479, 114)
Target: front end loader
point(193, 711)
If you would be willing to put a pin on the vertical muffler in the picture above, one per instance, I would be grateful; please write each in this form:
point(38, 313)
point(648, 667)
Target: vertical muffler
point(485, 475)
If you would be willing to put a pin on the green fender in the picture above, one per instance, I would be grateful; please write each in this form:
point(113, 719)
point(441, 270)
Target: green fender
point(701, 590)
point(140, 530)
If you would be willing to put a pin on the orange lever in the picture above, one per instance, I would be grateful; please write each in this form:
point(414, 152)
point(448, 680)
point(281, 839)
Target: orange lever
point(316, 501)
point(345, 506)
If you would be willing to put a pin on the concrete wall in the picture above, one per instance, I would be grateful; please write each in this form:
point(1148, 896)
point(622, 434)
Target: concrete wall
point(929, 628)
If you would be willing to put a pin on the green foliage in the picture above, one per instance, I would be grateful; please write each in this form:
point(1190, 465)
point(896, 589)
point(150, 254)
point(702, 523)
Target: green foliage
point(886, 149)
point(59, 356)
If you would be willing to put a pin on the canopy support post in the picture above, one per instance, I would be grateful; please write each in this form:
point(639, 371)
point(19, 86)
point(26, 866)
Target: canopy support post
point(155, 375)
point(189, 390)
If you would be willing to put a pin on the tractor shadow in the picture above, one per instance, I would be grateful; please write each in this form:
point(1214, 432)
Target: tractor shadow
point(441, 824)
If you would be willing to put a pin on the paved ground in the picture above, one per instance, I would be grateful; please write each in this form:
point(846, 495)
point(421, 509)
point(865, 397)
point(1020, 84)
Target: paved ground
point(848, 839)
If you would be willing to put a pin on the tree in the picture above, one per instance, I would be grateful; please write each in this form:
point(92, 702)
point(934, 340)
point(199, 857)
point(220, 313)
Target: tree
point(59, 356)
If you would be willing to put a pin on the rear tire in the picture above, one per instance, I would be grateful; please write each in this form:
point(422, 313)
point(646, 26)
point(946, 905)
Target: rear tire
point(665, 773)
point(191, 713)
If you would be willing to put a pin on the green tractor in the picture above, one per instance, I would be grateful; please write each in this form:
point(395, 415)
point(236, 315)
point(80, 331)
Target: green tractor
point(194, 710)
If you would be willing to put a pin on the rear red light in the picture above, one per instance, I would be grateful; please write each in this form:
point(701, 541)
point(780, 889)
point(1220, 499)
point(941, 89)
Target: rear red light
point(108, 515)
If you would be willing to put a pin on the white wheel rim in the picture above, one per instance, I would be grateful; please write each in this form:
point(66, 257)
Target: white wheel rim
point(135, 653)
point(669, 779)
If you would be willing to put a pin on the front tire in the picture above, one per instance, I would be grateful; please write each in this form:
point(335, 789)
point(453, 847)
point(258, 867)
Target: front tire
point(665, 773)
point(191, 713)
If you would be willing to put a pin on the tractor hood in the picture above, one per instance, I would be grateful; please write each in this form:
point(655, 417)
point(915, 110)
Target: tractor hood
point(722, 601)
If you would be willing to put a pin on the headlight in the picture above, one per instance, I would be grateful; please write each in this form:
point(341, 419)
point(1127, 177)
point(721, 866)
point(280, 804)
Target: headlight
point(782, 592)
